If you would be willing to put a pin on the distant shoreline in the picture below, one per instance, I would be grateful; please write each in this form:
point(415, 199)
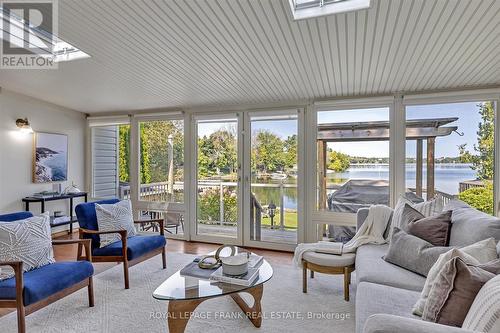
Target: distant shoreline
point(43, 172)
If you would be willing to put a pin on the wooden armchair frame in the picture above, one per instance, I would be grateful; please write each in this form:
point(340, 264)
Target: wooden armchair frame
point(123, 257)
point(18, 303)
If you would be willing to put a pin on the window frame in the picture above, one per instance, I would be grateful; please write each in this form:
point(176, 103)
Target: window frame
point(481, 95)
point(316, 218)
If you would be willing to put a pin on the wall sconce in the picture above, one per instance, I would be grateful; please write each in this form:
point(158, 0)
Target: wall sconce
point(24, 125)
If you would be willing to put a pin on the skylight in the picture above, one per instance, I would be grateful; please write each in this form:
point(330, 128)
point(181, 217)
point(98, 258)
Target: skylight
point(40, 42)
point(304, 9)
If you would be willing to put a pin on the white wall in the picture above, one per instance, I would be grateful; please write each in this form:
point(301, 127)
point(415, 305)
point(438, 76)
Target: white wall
point(16, 148)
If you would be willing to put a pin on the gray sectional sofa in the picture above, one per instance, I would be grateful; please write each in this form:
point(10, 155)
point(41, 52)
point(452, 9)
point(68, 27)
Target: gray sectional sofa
point(387, 293)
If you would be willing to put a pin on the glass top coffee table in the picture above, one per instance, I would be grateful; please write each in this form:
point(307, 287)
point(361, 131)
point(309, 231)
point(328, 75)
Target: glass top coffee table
point(185, 293)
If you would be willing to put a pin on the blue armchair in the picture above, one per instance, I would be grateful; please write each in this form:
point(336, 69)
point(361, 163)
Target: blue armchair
point(35, 289)
point(130, 251)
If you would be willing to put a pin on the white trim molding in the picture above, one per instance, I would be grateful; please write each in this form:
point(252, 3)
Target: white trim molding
point(108, 120)
point(452, 97)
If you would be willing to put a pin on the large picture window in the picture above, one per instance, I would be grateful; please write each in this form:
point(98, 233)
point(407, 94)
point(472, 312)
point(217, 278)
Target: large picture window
point(352, 162)
point(450, 152)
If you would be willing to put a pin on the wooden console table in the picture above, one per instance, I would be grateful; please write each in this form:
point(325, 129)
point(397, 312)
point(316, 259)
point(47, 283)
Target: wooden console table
point(42, 200)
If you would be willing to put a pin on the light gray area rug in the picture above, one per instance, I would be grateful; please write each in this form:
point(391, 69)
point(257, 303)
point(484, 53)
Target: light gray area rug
point(286, 308)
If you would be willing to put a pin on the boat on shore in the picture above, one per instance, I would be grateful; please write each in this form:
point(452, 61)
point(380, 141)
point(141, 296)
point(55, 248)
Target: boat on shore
point(279, 175)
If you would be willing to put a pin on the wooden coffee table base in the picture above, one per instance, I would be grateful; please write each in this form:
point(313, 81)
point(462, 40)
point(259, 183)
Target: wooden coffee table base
point(180, 311)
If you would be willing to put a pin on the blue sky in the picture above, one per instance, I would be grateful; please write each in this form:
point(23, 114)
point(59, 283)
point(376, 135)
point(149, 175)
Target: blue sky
point(467, 123)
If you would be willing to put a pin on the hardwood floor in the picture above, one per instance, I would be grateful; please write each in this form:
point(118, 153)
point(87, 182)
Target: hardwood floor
point(68, 253)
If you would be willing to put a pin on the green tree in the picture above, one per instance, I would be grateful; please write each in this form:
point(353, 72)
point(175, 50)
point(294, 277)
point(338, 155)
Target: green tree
point(124, 153)
point(269, 151)
point(483, 157)
point(290, 147)
point(156, 136)
point(338, 161)
point(217, 153)
point(145, 171)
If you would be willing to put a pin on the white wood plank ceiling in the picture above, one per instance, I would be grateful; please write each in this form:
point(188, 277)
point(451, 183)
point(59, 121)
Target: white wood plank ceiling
point(188, 53)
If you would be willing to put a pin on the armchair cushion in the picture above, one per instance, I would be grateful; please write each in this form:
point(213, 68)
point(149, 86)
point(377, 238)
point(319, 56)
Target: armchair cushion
point(87, 218)
point(43, 282)
point(15, 216)
point(137, 246)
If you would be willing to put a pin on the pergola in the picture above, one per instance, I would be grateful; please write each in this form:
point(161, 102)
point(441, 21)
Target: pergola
point(416, 129)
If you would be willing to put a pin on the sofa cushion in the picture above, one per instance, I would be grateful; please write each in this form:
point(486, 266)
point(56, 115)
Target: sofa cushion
point(454, 291)
point(87, 218)
point(413, 253)
point(484, 314)
point(408, 215)
point(42, 282)
point(329, 260)
point(434, 229)
point(137, 246)
point(475, 254)
point(370, 267)
point(376, 298)
point(426, 208)
point(470, 225)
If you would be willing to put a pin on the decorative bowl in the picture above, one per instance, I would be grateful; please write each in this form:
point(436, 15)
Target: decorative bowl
point(235, 265)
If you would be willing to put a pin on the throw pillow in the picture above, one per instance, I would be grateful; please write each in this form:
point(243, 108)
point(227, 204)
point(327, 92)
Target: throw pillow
point(454, 291)
point(471, 225)
point(426, 208)
point(409, 215)
point(434, 229)
point(116, 216)
point(475, 254)
point(413, 253)
point(484, 314)
point(484, 250)
point(29, 241)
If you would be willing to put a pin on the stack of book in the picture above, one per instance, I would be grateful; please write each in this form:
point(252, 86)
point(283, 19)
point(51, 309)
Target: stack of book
point(242, 280)
point(60, 219)
point(45, 194)
point(215, 274)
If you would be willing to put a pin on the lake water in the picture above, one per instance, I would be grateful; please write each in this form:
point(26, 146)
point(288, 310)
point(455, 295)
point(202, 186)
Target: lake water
point(447, 178)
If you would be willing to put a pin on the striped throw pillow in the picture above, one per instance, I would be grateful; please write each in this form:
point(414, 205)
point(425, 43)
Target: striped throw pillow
point(426, 208)
point(484, 314)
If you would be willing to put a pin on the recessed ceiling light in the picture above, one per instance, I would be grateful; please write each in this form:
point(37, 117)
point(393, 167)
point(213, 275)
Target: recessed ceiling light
point(304, 9)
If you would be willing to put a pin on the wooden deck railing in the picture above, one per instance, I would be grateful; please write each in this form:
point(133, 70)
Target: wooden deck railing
point(465, 185)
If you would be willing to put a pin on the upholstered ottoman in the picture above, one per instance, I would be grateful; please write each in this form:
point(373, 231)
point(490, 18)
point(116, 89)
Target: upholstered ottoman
point(328, 264)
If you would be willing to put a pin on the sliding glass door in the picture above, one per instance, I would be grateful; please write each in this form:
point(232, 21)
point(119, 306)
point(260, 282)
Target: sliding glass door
point(161, 172)
point(217, 179)
point(272, 175)
point(246, 179)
